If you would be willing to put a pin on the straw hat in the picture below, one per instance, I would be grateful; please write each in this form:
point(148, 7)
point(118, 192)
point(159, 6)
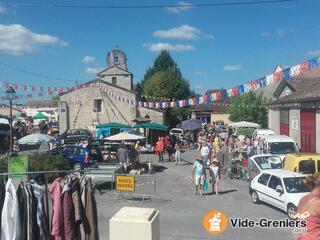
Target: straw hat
point(199, 157)
point(215, 160)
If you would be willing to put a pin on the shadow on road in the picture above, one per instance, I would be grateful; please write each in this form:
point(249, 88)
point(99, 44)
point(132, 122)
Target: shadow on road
point(221, 192)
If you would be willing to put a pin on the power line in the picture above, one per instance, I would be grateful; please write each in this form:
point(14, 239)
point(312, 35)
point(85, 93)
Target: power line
point(145, 6)
point(35, 74)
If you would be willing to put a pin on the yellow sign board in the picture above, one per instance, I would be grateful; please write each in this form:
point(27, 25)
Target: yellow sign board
point(125, 183)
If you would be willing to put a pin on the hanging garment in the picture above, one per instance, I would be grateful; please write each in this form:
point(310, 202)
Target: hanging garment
point(57, 230)
point(2, 195)
point(79, 211)
point(68, 211)
point(33, 228)
point(10, 225)
point(40, 211)
point(23, 211)
point(91, 213)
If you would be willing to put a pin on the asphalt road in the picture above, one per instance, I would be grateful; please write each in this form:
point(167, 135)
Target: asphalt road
point(181, 212)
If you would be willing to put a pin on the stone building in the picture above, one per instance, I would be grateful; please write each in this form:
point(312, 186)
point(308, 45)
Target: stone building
point(213, 112)
point(109, 98)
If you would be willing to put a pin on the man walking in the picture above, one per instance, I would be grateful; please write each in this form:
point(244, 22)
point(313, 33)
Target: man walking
point(199, 174)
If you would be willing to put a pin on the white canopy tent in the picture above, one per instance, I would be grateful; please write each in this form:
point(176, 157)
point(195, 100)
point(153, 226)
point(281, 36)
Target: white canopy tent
point(244, 124)
point(35, 139)
point(125, 136)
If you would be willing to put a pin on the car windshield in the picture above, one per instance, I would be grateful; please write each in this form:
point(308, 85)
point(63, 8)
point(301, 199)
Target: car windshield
point(295, 185)
point(271, 162)
point(282, 147)
point(176, 131)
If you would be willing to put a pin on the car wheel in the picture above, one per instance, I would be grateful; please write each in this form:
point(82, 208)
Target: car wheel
point(77, 166)
point(254, 197)
point(291, 211)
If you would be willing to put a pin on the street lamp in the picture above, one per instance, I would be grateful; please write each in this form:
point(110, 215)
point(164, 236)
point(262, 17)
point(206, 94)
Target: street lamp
point(11, 95)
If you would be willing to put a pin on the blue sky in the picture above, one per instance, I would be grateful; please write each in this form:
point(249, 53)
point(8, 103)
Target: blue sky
point(215, 47)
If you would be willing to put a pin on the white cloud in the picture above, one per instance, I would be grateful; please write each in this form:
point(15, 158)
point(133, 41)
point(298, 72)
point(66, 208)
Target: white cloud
point(280, 33)
point(157, 47)
point(16, 39)
point(2, 9)
point(94, 70)
point(266, 34)
point(199, 73)
point(88, 59)
point(235, 67)
point(181, 7)
point(198, 87)
point(314, 52)
point(183, 32)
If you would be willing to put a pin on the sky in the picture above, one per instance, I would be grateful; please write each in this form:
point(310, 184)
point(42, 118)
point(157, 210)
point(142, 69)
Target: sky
point(215, 47)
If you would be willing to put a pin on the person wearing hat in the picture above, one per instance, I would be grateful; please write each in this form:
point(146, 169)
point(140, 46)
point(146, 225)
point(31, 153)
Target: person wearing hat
point(214, 174)
point(199, 174)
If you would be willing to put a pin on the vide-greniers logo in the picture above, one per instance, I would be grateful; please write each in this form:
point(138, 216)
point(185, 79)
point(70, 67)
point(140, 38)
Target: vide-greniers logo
point(215, 222)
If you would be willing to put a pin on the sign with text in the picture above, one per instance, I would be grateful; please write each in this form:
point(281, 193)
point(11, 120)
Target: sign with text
point(18, 165)
point(125, 183)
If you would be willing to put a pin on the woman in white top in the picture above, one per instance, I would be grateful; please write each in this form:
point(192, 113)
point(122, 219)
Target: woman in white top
point(215, 174)
point(205, 151)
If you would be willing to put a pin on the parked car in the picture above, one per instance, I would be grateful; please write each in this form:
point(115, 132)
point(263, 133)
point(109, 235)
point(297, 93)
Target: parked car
point(178, 132)
point(258, 163)
point(258, 134)
point(302, 163)
point(78, 157)
point(279, 188)
point(75, 136)
point(277, 145)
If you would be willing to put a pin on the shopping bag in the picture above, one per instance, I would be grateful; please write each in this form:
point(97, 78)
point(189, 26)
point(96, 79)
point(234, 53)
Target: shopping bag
point(205, 185)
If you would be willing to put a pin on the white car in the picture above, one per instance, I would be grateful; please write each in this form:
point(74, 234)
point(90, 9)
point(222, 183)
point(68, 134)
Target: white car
point(259, 163)
point(279, 188)
point(178, 132)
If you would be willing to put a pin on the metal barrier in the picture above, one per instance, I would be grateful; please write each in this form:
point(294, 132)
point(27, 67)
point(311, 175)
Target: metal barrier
point(144, 187)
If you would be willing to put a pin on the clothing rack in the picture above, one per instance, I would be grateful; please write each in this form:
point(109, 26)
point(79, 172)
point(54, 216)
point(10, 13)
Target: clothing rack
point(45, 173)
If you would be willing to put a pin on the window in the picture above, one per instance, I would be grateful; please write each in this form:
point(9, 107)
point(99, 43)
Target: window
point(282, 147)
point(264, 178)
point(97, 105)
point(318, 162)
point(295, 185)
point(116, 60)
point(114, 80)
point(274, 182)
point(307, 167)
point(79, 151)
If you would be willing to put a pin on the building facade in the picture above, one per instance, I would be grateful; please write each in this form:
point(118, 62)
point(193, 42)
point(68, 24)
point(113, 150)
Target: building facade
point(295, 112)
point(85, 107)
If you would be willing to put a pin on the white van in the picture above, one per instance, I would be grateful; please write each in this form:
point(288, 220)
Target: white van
point(277, 145)
point(260, 133)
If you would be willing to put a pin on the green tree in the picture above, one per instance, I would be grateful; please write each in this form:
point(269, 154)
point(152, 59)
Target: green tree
point(163, 62)
point(249, 107)
point(164, 80)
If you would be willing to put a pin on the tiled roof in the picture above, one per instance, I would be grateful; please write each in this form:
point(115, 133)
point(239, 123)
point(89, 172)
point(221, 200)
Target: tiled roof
point(305, 88)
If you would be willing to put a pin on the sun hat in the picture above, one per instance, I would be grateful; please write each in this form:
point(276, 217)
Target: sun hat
point(199, 157)
point(215, 160)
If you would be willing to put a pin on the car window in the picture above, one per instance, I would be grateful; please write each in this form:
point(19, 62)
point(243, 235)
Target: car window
point(269, 162)
point(295, 185)
point(264, 178)
point(274, 182)
point(68, 150)
point(79, 151)
point(282, 147)
point(307, 166)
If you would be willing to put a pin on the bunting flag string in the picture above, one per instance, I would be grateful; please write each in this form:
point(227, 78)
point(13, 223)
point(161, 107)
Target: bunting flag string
point(164, 103)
